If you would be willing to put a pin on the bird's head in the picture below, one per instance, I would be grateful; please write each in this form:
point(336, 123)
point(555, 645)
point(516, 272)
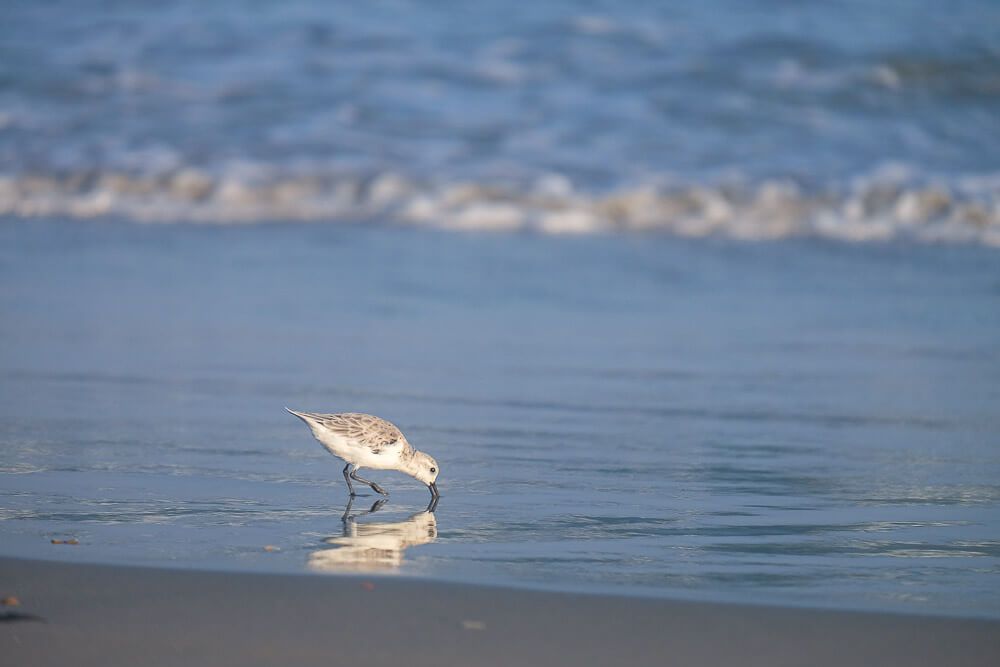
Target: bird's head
point(426, 469)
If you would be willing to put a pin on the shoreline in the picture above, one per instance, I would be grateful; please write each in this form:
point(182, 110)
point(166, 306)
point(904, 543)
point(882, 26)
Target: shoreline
point(679, 596)
point(101, 614)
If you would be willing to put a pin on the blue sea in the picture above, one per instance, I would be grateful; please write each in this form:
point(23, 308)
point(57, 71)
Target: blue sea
point(692, 300)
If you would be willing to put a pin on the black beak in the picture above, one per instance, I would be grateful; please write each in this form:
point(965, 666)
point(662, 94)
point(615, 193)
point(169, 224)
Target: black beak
point(434, 490)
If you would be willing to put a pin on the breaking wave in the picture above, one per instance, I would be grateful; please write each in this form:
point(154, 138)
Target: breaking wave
point(888, 204)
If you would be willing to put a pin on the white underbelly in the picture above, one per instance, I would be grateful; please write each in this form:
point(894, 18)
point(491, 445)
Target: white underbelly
point(361, 456)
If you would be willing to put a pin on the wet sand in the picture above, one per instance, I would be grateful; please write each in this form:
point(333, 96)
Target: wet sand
point(106, 615)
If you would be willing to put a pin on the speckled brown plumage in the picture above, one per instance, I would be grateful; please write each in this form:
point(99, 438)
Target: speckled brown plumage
point(371, 431)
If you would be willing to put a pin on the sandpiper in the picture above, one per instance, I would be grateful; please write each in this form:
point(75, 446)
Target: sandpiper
point(367, 441)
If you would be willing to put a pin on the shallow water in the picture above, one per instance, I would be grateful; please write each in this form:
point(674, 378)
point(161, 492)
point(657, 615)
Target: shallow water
point(795, 422)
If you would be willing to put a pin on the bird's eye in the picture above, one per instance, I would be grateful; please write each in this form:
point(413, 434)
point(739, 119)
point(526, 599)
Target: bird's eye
point(434, 469)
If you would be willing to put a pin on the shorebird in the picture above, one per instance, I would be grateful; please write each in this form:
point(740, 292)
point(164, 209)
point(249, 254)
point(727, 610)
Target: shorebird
point(367, 441)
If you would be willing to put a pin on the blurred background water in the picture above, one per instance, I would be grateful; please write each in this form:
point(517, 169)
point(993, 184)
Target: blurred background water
point(759, 119)
point(616, 406)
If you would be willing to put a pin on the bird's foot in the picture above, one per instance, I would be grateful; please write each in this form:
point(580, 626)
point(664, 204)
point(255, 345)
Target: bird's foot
point(378, 489)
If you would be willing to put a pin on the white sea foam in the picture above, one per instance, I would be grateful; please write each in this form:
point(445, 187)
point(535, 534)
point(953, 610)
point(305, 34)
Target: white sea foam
point(888, 204)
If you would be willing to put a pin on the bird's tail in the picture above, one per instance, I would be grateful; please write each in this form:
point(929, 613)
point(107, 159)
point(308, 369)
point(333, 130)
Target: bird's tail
point(304, 416)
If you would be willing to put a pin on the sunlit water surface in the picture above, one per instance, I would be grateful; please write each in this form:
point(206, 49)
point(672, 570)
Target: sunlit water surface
point(795, 422)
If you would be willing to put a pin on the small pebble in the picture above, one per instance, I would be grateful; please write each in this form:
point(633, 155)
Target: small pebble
point(271, 547)
point(473, 625)
point(367, 586)
point(10, 601)
point(71, 540)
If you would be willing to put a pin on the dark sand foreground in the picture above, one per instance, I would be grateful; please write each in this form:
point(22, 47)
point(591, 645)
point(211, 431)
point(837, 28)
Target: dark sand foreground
point(102, 615)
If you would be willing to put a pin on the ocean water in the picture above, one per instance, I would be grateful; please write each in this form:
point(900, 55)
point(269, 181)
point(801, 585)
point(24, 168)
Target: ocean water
point(739, 118)
point(688, 299)
point(796, 422)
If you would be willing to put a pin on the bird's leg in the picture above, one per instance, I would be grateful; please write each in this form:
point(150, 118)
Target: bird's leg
point(375, 487)
point(348, 473)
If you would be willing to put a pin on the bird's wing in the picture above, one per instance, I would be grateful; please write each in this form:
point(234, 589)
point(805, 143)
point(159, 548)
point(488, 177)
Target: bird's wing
point(370, 431)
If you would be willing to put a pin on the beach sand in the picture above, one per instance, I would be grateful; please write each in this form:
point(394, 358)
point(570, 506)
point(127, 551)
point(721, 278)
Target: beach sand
point(72, 614)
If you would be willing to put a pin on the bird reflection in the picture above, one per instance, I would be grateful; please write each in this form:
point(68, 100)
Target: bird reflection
point(374, 546)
